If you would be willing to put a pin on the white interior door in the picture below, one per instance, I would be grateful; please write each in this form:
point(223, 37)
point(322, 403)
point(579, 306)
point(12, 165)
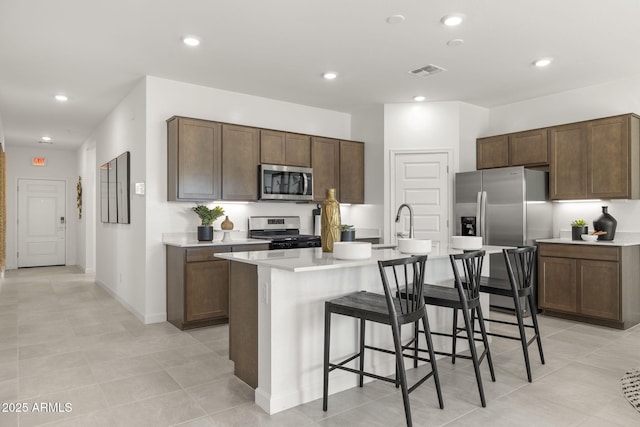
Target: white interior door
point(421, 179)
point(41, 223)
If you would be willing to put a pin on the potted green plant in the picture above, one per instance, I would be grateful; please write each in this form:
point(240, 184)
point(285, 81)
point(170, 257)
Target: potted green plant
point(207, 216)
point(347, 233)
point(578, 228)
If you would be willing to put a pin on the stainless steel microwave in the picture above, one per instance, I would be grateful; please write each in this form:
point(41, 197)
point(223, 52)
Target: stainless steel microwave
point(286, 183)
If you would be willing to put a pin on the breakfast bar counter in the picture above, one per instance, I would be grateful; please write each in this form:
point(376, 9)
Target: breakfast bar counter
point(276, 318)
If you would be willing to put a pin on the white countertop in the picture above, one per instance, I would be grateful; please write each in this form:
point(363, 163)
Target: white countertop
point(190, 240)
point(312, 259)
point(618, 241)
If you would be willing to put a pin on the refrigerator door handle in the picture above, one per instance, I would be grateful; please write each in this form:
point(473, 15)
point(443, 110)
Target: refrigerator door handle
point(479, 217)
point(483, 215)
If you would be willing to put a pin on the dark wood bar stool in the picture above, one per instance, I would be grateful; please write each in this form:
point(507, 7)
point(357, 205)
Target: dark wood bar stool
point(464, 296)
point(389, 309)
point(520, 265)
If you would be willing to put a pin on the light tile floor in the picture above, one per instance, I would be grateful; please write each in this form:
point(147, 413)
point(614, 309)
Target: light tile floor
point(65, 340)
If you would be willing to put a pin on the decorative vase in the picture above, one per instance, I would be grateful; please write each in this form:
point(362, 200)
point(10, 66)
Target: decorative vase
point(226, 224)
point(205, 233)
point(605, 222)
point(348, 235)
point(577, 232)
point(330, 221)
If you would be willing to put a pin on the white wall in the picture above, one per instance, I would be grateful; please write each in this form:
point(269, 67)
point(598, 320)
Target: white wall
point(166, 98)
point(85, 242)
point(612, 98)
point(367, 124)
point(431, 126)
point(120, 248)
point(61, 165)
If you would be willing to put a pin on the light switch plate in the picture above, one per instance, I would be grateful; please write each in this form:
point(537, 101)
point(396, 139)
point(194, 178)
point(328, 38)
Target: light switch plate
point(140, 188)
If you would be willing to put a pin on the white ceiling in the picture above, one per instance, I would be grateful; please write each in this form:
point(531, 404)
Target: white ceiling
point(95, 52)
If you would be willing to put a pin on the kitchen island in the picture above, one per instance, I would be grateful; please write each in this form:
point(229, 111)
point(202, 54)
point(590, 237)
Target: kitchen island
point(276, 319)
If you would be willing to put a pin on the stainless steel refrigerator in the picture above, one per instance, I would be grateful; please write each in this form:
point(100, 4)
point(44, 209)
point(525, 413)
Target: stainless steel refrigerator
point(507, 207)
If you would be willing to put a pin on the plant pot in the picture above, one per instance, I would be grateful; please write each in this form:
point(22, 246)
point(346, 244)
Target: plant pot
point(577, 231)
point(348, 236)
point(205, 233)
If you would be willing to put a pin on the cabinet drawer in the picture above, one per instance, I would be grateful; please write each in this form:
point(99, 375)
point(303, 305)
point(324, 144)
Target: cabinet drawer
point(248, 248)
point(206, 254)
point(599, 253)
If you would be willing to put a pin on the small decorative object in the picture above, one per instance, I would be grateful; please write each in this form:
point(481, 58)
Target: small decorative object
point(347, 233)
point(578, 228)
point(330, 221)
point(226, 224)
point(207, 216)
point(605, 223)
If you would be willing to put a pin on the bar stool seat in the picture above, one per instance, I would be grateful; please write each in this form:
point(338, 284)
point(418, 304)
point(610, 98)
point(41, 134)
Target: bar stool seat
point(390, 310)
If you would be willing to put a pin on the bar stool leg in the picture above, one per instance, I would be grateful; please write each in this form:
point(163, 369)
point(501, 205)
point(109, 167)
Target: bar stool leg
point(327, 342)
point(523, 335)
point(454, 335)
point(474, 354)
point(432, 359)
point(534, 318)
point(362, 324)
point(485, 340)
point(401, 372)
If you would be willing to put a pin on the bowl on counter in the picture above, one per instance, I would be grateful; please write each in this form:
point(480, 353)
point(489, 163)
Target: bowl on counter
point(589, 237)
point(352, 250)
point(414, 246)
point(466, 243)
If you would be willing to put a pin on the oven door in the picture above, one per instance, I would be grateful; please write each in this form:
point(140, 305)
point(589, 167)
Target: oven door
point(285, 183)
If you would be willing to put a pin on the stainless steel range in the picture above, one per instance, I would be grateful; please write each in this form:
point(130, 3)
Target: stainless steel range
point(282, 231)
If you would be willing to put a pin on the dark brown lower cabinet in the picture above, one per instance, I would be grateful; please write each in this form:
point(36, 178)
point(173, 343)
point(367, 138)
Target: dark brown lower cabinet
point(198, 285)
point(591, 283)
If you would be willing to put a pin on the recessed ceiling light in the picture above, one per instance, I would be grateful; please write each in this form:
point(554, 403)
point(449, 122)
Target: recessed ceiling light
point(395, 19)
point(61, 98)
point(191, 41)
point(419, 98)
point(542, 62)
point(45, 138)
point(330, 75)
point(451, 20)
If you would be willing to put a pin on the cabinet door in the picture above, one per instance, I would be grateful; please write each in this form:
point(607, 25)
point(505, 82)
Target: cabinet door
point(609, 158)
point(568, 168)
point(557, 284)
point(325, 161)
point(600, 293)
point(492, 152)
point(193, 159)
point(298, 150)
point(240, 160)
point(206, 290)
point(272, 147)
point(529, 148)
point(351, 172)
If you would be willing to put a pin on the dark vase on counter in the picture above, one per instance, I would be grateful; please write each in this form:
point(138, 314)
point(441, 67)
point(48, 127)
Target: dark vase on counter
point(577, 232)
point(205, 233)
point(605, 222)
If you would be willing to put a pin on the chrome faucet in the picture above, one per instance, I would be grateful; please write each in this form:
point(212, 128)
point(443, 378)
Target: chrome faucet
point(404, 205)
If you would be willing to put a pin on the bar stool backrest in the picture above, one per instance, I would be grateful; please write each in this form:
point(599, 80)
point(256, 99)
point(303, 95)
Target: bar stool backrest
point(403, 280)
point(520, 264)
point(467, 274)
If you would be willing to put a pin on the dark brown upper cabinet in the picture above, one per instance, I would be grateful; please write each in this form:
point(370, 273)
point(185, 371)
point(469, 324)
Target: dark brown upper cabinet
point(351, 172)
point(529, 148)
point(240, 160)
point(596, 159)
point(325, 161)
point(283, 148)
point(194, 150)
point(492, 152)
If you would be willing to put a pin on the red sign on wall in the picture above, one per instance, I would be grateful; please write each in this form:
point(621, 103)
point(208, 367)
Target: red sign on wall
point(39, 161)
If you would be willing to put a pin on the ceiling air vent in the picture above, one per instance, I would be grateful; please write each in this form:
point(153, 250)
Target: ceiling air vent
point(427, 70)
